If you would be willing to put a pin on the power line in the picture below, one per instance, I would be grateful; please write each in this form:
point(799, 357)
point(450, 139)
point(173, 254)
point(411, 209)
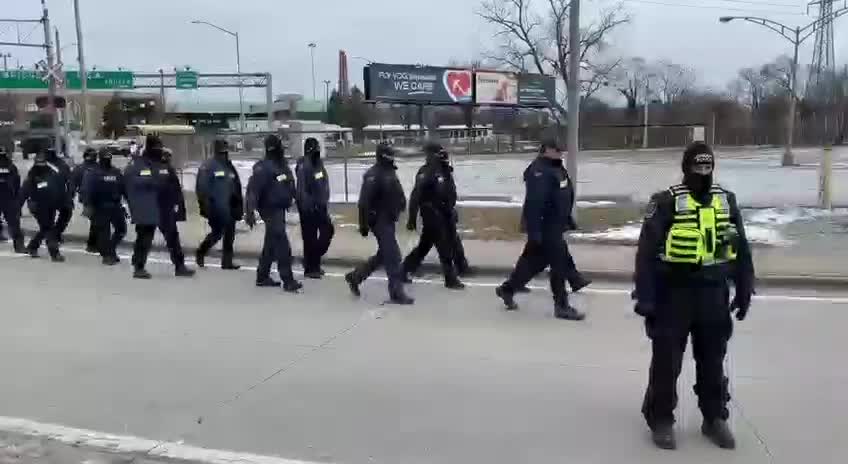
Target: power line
point(722, 8)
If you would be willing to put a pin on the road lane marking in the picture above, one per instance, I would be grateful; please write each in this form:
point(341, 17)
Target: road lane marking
point(129, 444)
point(475, 283)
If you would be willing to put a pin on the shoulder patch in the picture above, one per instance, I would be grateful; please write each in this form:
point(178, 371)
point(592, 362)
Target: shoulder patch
point(651, 209)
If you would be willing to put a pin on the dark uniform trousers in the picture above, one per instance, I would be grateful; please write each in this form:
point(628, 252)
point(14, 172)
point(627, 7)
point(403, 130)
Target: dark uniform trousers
point(110, 227)
point(144, 241)
point(11, 211)
point(66, 211)
point(437, 230)
point(535, 258)
point(275, 247)
point(699, 308)
point(225, 230)
point(571, 274)
point(47, 230)
point(317, 231)
point(388, 256)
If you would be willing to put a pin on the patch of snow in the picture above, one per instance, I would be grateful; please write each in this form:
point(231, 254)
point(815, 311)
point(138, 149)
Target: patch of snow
point(789, 215)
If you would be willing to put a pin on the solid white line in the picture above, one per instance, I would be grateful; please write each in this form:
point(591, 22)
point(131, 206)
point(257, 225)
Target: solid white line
point(130, 444)
point(484, 284)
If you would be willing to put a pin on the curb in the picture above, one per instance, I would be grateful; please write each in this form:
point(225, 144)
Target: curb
point(812, 281)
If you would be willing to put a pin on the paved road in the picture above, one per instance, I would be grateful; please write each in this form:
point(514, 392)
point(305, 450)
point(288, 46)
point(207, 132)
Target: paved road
point(320, 377)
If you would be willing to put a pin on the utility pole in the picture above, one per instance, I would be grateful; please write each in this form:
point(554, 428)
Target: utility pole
point(60, 89)
point(647, 104)
point(238, 70)
point(5, 57)
point(312, 46)
point(162, 96)
point(51, 79)
point(83, 76)
point(573, 91)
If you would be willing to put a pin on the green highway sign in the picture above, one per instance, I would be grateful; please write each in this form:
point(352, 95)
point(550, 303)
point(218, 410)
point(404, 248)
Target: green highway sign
point(29, 80)
point(101, 80)
point(187, 80)
point(97, 80)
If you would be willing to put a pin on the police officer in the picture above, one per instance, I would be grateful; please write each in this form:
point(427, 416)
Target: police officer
point(10, 187)
point(45, 191)
point(381, 200)
point(434, 195)
point(270, 191)
point(156, 200)
point(66, 210)
point(89, 163)
point(692, 242)
point(313, 196)
point(547, 214)
point(102, 191)
point(221, 202)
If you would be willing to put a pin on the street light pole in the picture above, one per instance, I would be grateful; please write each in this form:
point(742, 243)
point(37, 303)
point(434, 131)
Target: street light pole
point(238, 68)
point(5, 57)
point(796, 36)
point(312, 46)
point(327, 97)
point(647, 104)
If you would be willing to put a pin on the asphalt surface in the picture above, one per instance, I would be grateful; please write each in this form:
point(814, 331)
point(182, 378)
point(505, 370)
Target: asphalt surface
point(321, 377)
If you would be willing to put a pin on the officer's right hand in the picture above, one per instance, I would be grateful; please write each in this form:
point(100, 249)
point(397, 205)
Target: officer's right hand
point(410, 225)
point(741, 304)
point(644, 309)
point(363, 231)
point(250, 219)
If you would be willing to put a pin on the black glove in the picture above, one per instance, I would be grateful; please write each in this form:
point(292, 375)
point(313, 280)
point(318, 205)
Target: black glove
point(454, 217)
point(410, 224)
point(88, 211)
point(741, 304)
point(572, 225)
point(363, 230)
point(644, 309)
point(126, 213)
point(250, 219)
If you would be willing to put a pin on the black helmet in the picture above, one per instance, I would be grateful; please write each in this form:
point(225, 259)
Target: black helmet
point(153, 141)
point(435, 150)
point(41, 156)
point(90, 154)
point(105, 153)
point(385, 153)
point(272, 143)
point(311, 146)
point(220, 146)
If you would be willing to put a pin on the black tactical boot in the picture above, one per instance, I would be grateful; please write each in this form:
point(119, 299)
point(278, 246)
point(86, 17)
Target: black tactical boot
point(91, 249)
point(406, 278)
point(19, 247)
point(719, 433)
point(353, 284)
point(110, 260)
point(507, 297)
point(312, 274)
point(663, 437)
point(454, 284)
point(230, 265)
point(522, 289)
point(57, 257)
point(267, 282)
point(580, 283)
point(292, 286)
point(141, 273)
point(183, 271)
point(200, 259)
point(568, 312)
point(400, 297)
point(32, 252)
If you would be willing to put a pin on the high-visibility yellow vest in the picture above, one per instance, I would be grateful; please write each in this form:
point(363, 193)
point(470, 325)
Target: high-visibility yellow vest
point(701, 234)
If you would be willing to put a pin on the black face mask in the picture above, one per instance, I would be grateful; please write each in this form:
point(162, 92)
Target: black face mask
point(154, 154)
point(223, 155)
point(699, 184)
point(314, 156)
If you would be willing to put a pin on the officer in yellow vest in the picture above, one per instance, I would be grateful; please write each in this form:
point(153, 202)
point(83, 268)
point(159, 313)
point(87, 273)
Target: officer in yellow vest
point(692, 244)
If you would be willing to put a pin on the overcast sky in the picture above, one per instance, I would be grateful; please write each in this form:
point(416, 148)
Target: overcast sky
point(147, 35)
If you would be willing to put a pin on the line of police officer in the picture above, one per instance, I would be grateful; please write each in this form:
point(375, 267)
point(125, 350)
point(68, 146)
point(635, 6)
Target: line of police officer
point(691, 246)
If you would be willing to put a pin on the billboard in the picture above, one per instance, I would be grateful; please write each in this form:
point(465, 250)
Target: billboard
point(495, 88)
point(536, 90)
point(417, 84)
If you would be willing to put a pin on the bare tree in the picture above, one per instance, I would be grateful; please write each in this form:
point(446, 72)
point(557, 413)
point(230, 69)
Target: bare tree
point(533, 42)
point(630, 79)
point(754, 83)
point(777, 76)
point(673, 81)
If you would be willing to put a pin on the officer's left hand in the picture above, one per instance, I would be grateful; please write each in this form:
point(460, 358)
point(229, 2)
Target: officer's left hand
point(88, 211)
point(741, 304)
